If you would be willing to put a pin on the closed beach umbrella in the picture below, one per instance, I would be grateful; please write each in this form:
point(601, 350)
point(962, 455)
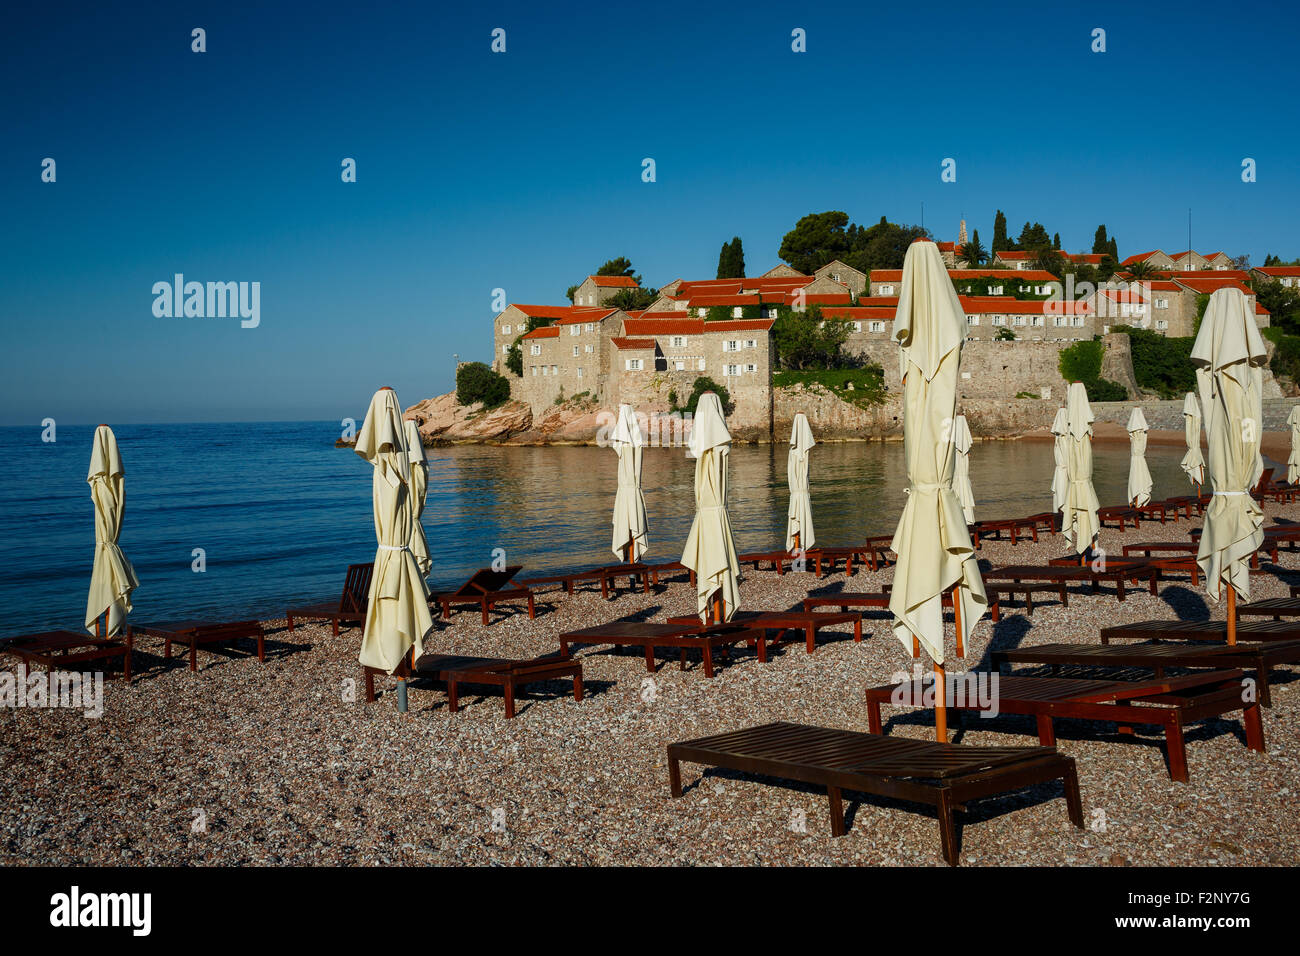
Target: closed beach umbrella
point(1293, 460)
point(1192, 462)
point(1061, 455)
point(398, 616)
point(1079, 521)
point(1139, 476)
point(630, 541)
point(1229, 358)
point(799, 522)
point(932, 541)
point(112, 579)
point(710, 551)
point(419, 488)
point(961, 442)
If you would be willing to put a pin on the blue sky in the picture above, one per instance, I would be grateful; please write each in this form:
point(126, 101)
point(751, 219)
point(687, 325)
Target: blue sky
point(522, 170)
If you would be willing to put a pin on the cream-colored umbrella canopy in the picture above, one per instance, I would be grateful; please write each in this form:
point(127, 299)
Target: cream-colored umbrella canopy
point(112, 579)
point(629, 503)
point(1229, 357)
point(710, 551)
point(398, 616)
point(1192, 462)
point(961, 441)
point(1293, 460)
point(1079, 521)
point(419, 489)
point(799, 519)
point(1061, 457)
point(1139, 476)
point(932, 541)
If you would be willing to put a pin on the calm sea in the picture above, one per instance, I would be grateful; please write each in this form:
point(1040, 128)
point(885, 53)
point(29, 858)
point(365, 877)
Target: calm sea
point(280, 512)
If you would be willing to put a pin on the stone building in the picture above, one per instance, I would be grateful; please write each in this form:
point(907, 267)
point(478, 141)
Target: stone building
point(566, 358)
point(846, 275)
point(1289, 276)
point(515, 320)
point(597, 290)
point(1030, 320)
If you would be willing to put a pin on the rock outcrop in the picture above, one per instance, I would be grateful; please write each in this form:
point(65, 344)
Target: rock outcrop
point(441, 420)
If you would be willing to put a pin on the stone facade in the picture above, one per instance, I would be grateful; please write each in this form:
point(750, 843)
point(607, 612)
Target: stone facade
point(598, 290)
point(846, 275)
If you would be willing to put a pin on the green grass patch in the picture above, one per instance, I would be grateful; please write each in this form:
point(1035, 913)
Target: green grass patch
point(862, 387)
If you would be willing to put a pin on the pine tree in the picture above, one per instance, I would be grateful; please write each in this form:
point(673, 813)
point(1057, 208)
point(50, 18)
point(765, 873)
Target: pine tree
point(1099, 245)
point(1113, 249)
point(1000, 232)
point(1056, 240)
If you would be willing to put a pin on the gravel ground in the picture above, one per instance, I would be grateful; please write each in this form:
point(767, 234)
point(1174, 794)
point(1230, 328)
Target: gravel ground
point(277, 763)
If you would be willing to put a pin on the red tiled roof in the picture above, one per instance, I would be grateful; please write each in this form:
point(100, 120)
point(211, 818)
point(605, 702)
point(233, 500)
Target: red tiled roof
point(1277, 272)
point(580, 316)
point(1140, 257)
point(886, 275)
point(878, 300)
point(739, 325)
point(819, 298)
point(860, 312)
point(625, 344)
point(570, 312)
point(1260, 310)
point(1032, 275)
point(614, 282)
point(706, 301)
point(545, 332)
point(1123, 295)
point(946, 246)
point(665, 326)
point(1010, 306)
point(1205, 285)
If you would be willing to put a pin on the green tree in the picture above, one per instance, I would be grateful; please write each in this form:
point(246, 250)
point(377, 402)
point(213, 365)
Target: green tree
point(570, 292)
point(622, 266)
point(1283, 302)
point(731, 260)
point(1099, 244)
point(882, 246)
point(974, 252)
point(804, 340)
point(632, 300)
point(1033, 238)
point(701, 385)
point(1000, 241)
point(1113, 249)
point(475, 382)
point(1056, 240)
point(815, 240)
point(515, 359)
point(1141, 269)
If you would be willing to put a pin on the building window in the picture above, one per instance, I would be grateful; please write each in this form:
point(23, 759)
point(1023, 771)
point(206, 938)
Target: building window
point(732, 370)
point(998, 320)
point(575, 330)
point(1077, 321)
point(534, 368)
point(505, 350)
point(972, 320)
point(633, 365)
point(505, 330)
point(679, 341)
point(1162, 324)
point(680, 366)
point(995, 290)
point(856, 326)
point(751, 369)
point(875, 326)
point(835, 276)
point(1037, 321)
point(534, 350)
point(703, 313)
point(886, 290)
point(555, 370)
point(1162, 303)
point(737, 312)
point(575, 351)
point(731, 345)
point(1019, 320)
point(546, 370)
point(751, 343)
point(579, 371)
point(1058, 321)
point(701, 365)
point(588, 327)
point(589, 349)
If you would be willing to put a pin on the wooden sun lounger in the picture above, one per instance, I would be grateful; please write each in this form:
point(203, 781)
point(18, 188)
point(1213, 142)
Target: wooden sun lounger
point(1066, 574)
point(1123, 515)
point(778, 559)
point(350, 608)
point(1276, 608)
point(1188, 502)
point(61, 649)
point(651, 636)
point(194, 633)
point(668, 569)
point(809, 622)
point(1167, 702)
point(1214, 631)
point(1157, 655)
point(507, 673)
point(1015, 529)
point(1148, 549)
point(1157, 509)
point(605, 576)
point(943, 776)
point(995, 590)
point(484, 590)
point(880, 599)
point(1261, 489)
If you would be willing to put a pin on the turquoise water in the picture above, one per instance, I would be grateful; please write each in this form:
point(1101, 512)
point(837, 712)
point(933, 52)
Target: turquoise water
point(280, 512)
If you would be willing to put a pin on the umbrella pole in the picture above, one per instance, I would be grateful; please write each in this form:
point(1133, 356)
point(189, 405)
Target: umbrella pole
point(796, 543)
point(940, 705)
point(717, 607)
point(956, 617)
point(1232, 614)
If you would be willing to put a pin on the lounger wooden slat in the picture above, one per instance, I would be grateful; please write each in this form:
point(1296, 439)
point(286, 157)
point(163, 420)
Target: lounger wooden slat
point(1166, 702)
point(351, 606)
point(1276, 608)
point(809, 622)
point(943, 776)
point(1091, 573)
point(606, 576)
point(1121, 515)
point(509, 674)
point(1148, 549)
point(485, 590)
point(880, 599)
point(680, 637)
point(1213, 631)
point(194, 633)
point(60, 649)
point(1259, 657)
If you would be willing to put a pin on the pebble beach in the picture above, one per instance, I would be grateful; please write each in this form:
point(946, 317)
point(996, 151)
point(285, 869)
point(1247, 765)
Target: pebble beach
point(283, 762)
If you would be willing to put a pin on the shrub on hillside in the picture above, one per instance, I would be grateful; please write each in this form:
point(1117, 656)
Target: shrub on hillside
point(701, 385)
point(475, 382)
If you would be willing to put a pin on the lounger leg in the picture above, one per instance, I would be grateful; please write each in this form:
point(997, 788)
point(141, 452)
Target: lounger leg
point(370, 686)
point(289, 618)
point(167, 649)
point(837, 811)
point(873, 716)
point(261, 648)
point(761, 647)
point(577, 687)
point(510, 699)
point(1176, 747)
point(1254, 726)
point(674, 777)
point(916, 647)
point(486, 606)
point(947, 831)
point(1261, 685)
point(1073, 803)
point(810, 633)
point(532, 608)
point(1029, 603)
point(336, 627)
point(453, 696)
point(1046, 731)
point(446, 609)
point(708, 660)
point(194, 652)
point(857, 631)
point(130, 646)
point(650, 657)
point(995, 608)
